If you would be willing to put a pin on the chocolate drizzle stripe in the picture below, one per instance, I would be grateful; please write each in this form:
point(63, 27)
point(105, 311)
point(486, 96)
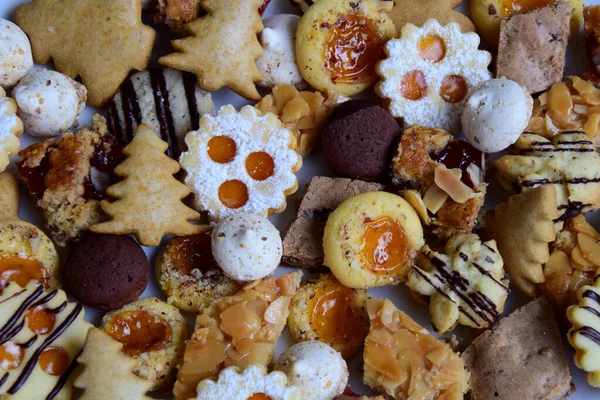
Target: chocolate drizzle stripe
point(46, 298)
point(131, 108)
point(545, 181)
point(486, 273)
point(163, 110)
point(13, 332)
point(36, 354)
point(560, 149)
point(590, 333)
point(4, 378)
point(591, 310)
point(424, 276)
point(189, 83)
point(592, 295)
point(29, 343)
point(58, 309)
point(14, 295)
point(63, 379)
point(489, 248)
point(17, 315)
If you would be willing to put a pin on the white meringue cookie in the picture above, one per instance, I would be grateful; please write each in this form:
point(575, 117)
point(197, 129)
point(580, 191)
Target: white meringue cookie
point(49, 102)
point(15, 54)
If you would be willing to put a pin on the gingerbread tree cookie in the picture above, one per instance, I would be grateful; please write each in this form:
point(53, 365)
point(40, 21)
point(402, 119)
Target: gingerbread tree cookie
point(223, 47)
point(107, 372)
point(97, 40)
point(149, 198)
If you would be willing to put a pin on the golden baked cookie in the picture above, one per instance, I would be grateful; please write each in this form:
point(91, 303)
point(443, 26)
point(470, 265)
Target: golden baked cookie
point(488, 14)
point(11, 127)
point(153, 333)
point(188, 274)
point(418, 11)
point(372, 239)
point(322, 309)
point(404, 361)
point(338, 43)
point(9, 196)
point(465, 284)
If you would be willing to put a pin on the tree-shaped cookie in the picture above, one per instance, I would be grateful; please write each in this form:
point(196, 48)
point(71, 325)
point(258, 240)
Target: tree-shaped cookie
point(149, 197)
point(106, 372)
point(223, 47)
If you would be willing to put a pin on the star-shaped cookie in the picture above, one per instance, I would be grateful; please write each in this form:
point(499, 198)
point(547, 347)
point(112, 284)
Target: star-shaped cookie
point(97, 40)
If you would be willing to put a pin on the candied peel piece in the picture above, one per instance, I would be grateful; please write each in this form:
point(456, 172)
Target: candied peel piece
point(402, 360)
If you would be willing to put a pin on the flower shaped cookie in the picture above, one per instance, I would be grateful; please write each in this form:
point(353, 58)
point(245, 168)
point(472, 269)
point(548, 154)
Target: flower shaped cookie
point(11, 126)
point(241, 162)
point(428, 73)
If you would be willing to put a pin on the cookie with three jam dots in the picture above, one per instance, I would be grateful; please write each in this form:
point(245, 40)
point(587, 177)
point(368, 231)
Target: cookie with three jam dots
point(188, 274)
point(154, 333)
point(359, 140)
point(106, 271)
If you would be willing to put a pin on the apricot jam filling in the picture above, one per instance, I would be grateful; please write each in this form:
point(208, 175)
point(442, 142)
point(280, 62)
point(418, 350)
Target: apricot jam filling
point(14, 268)
point(453, 89)
point(413, 85)
point(54, 361)
point(260, 165)
point(139, 331)
point(432, 48)
point(233, 194)
point(332, 306)
point(39, 320)
point(192, 252)
point(353, 49)
point(385, 246)
point(11, 355)
point(510, 7)
point(259, 396)
point(222, 149)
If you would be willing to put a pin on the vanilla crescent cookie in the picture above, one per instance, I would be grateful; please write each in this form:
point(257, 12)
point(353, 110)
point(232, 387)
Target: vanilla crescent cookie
point(240, 162)
point(11, 126)
point(428, 73)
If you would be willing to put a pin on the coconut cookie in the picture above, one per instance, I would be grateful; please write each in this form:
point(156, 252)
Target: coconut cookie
point(372, 239)
point(153, 333)
point(11, 127)
point(428, 73)
point(241, 162)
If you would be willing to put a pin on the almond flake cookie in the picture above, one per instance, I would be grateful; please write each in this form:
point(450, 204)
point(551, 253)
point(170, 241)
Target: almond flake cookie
point(11, 127)
point(241, 162)
point(428, 73)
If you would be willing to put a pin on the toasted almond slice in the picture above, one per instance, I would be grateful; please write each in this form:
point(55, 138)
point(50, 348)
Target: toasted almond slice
point(580, 109)
point(560, 104)
point(592, 98)
point(558, 263)
point(543, 99)
point(294, 110)
point(580, 225)
point(414, 199)
point(435, 198)
point(550, 127)
point(582, 86)
point(577, 257)
point(475, 173)
point(591, 125)
point(590, 248)
point(450, 183)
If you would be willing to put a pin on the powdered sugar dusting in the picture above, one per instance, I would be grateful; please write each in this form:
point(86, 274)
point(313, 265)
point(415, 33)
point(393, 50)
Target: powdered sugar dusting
point(10, 128)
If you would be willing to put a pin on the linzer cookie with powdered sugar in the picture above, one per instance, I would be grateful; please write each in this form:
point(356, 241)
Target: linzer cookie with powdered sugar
point(41, 335)
point(167, 100)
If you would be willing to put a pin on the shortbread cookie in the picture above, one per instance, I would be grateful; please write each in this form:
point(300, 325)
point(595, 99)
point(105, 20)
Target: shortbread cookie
point(66, 178)
point(416, 12)
point(398, 348)
point(11, 127)
point(428, 73)
point(148, 199)
point(188, 274)
point(106, 373)
point(96, 40)
point(42, 334)
point(521, 357)
point(569, 162)
point(475, 294)
point(222, 47)
point(304, 113)
point(167, 100)
point(152, 332)
point(338, 43)
point(15, 54)
point(240, 162)
point(9, 196)
point(585, 332)
point(523, 228)
point(238, 330)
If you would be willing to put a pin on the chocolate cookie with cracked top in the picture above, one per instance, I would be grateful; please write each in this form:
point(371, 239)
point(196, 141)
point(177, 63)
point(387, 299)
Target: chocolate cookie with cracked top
point(106, 271)
point(359, 140)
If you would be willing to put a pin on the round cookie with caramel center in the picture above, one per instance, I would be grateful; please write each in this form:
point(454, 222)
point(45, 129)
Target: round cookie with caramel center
point(106, 271)
point(372, 239)
point(359, 140)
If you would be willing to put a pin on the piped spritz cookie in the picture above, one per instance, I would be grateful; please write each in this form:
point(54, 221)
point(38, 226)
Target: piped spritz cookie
point(11, 126)
point(428, 73)
point(241, 162)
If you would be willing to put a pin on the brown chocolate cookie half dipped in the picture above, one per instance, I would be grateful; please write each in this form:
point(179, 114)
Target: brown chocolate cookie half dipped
point(359, 140)
point(168, 100)
point(106, 271)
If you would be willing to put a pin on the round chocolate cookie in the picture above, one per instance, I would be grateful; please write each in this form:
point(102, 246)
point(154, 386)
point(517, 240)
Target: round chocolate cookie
point(359, 140)
point(106, 271)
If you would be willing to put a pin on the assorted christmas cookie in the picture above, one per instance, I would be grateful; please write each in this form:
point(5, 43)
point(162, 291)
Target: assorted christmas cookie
point(465, 284)
point(416, 12)
point(428, 73)
point(41, 335)
point(241, 162)
point(188, 274)
point(9, 196)
point(239, 330)
point(167, 100)
point(591, 29)
point(338, 43)
point(11, 127)
point(15, 54)
point(322, 308)
point(174, 13)
point(66, 178)
point(372, 239)
point(152, 332)
point(402, 359)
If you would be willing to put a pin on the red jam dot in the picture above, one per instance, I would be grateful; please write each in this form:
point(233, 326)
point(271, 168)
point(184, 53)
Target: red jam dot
point(233, 194)
point(222, 149)
point(260, 165)
point(413, 85)
point(54, 361)
point(453, 89)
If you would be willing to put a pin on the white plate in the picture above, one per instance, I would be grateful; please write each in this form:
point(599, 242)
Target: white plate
point(316, 165)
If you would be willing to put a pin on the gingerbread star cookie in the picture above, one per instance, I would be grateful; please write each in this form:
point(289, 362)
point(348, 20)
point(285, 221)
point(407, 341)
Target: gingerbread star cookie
point(223, 47)
point(97, 40)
